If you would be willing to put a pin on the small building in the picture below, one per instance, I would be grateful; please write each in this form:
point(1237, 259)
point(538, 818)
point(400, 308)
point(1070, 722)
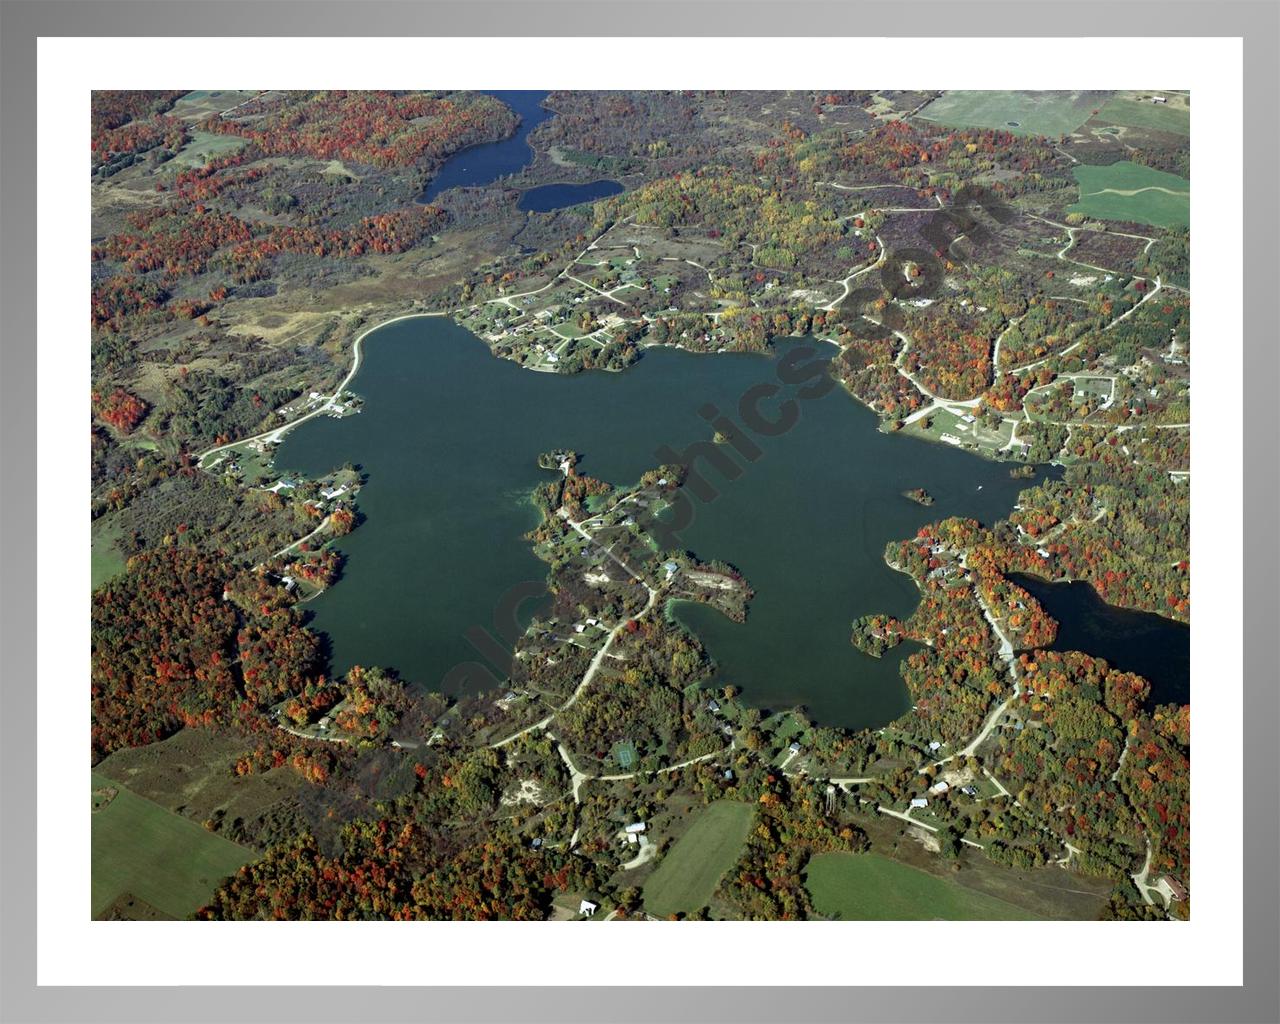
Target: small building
point(969, 791)
point(934, 744)
point(728, 774)
point(713, 706)
point(795, 747)
point(586, 908)
point(635, 827)
point(938, 788)
point(1042, 552)
point(919, 802)
point(324, 722)
point(670, 568)
point(1177, 891)
point(1159, 99)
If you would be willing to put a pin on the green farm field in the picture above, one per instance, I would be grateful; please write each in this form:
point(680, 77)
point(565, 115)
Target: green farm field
point(106, 559)
point(871, 887)
point(160, 857)
point(1138, 114)
point(1132, 192)
point(688, 875)
point(1036, 113)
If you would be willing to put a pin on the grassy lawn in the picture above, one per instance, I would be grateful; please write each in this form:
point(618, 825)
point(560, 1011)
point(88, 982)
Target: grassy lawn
point(1132, 113)
point(1036, 113)
point(688, 875)
point(202, 102)
point(158, 856)
point(1129, 191)
point(105, 559)
point(568, 329)
point(870, 887)
point(204, 146)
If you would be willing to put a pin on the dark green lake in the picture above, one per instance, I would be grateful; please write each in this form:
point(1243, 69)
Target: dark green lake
point(1156, 648)
point(449, 436)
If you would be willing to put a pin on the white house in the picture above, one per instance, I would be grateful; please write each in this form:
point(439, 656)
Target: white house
point(586, 908)
point(636, 827)
point(938, 788)
point(919, 802)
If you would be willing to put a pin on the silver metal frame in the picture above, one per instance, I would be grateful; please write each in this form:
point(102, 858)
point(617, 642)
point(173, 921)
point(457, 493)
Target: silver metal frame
point(21, 23)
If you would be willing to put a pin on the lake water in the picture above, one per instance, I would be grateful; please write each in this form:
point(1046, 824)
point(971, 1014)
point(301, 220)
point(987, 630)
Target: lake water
point(1156, 648)
point(449, 437)
point(486, 163)
point(546, 198)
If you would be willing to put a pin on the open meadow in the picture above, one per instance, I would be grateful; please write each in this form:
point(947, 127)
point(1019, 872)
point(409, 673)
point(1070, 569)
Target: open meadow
point(688, 875)
point(1023, 113)
point(1131, 192)
point(870, 887)
point(141, 849)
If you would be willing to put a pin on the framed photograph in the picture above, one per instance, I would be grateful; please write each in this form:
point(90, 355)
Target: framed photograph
point(583, 499)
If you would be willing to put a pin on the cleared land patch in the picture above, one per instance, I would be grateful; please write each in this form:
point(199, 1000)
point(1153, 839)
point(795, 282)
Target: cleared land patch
point(1023, 113)
point(205, 146)
point(870, 887)
point(692, 868)
point(144, 852)
point(106, 559)
point(1170, 116)
point(1131, 192)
